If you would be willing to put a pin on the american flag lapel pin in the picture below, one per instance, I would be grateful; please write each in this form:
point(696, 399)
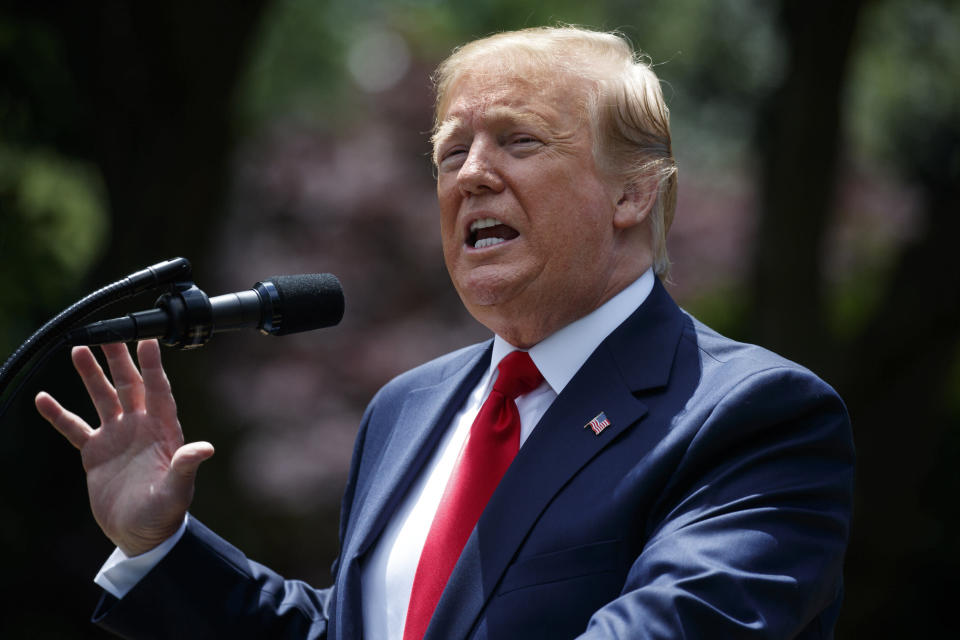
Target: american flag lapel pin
point(599, 423)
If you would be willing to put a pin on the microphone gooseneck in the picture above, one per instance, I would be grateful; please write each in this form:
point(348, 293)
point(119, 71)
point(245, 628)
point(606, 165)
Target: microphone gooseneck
point(187, 318)
point(49, 338)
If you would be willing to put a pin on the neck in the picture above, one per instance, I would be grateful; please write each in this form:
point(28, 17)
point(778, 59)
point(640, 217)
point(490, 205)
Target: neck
point(524, 329)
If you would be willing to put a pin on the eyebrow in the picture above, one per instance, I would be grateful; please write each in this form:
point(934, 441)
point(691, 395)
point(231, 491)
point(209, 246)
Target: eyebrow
point(497, 113)
point(445, 130)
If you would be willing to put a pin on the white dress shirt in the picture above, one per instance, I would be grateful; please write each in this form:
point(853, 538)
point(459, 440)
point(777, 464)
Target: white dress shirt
point(388, 571)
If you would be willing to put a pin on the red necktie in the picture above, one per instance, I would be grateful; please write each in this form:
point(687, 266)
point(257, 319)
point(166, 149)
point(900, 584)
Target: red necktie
point(493, 443)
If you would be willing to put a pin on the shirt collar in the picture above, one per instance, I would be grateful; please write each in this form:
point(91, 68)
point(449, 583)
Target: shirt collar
point(559, 356)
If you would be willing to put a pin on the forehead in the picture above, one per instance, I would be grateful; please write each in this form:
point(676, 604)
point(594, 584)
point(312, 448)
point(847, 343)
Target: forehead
point(549, 100)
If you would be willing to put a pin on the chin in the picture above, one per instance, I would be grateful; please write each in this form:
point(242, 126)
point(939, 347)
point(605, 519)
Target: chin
point(485, 287)
point(483, 304)
point(483, 300)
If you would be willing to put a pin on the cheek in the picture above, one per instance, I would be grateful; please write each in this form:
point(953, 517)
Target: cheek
point(578, 234)
point(449, 206)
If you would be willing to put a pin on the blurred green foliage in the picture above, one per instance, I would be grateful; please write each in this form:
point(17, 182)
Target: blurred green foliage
point(299, 61)
point(902, 97)
point(905, 78)
point(55, 228)
point(54, 213)
point(718, 59)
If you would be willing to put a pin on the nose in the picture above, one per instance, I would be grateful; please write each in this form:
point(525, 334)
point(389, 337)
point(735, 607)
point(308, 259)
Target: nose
point(479, 172)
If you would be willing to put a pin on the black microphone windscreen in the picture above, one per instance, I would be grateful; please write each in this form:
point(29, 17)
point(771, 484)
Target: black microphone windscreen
point(308, 301)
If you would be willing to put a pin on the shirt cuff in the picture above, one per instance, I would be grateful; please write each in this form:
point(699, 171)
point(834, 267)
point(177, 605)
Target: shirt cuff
point(120, 572)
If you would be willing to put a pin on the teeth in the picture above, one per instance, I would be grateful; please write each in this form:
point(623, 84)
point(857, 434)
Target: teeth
point(487, 242)
point(483, 223)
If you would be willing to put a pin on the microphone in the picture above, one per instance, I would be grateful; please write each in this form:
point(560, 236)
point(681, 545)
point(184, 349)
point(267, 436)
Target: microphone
point(186, 318)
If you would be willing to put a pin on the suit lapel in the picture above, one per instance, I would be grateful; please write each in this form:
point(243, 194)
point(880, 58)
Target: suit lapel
point(414, 429)
point(638, 355)
point(419, 423)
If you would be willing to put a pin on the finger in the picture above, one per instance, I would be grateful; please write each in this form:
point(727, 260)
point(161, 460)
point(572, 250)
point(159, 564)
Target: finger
point(126, 378)
point(69, 424)
point(159, 397)
point(102, 393)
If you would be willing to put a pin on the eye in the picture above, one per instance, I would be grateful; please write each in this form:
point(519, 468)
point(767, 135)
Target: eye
point(523, 141)
point(453, 156)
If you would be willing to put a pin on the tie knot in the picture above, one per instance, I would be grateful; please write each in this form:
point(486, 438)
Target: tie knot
point(518, 375)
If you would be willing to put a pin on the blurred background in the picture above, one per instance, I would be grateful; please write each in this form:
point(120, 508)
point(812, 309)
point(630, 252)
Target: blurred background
point(819, 153)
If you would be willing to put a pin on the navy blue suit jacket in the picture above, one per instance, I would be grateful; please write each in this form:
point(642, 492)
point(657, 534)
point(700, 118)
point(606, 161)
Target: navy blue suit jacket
point(715, 505)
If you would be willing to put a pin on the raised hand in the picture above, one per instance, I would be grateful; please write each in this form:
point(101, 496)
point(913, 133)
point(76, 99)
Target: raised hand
point(140, 474)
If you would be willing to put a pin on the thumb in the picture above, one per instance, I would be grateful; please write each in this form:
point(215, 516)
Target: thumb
point(187, 459)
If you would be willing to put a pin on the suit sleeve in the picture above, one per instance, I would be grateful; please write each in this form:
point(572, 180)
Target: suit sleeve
point(206, 588)
point(748, 538)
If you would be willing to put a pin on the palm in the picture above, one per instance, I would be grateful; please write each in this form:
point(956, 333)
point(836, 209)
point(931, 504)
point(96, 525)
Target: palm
point(139, 473)
point(127, 473)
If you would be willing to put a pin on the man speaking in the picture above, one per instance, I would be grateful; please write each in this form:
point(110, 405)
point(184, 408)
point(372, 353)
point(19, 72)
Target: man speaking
point(604, 467)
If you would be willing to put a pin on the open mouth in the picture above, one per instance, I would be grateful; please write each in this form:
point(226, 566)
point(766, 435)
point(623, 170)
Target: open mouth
point(487, 232)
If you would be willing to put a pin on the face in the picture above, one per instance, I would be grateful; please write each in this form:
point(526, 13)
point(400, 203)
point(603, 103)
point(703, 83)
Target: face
point(534, 237)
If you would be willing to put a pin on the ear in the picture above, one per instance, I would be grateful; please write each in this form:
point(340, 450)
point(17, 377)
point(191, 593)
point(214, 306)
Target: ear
point(636, 200)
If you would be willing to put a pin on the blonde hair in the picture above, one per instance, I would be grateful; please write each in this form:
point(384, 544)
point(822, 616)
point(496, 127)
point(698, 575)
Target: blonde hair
point(628, 117)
